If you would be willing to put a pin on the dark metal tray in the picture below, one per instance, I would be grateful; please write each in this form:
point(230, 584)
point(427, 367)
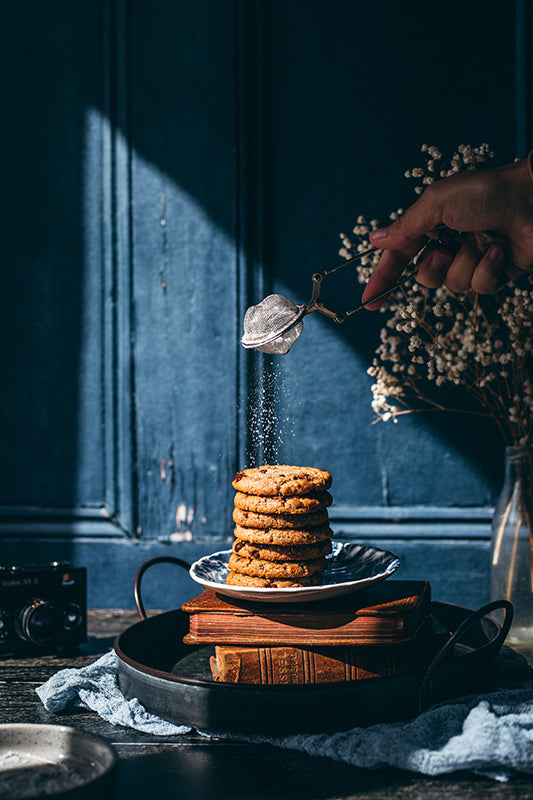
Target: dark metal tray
point(173, 680)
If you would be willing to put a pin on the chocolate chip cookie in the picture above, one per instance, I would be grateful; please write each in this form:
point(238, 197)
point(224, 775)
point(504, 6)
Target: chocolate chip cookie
point(297, 504)
point(236, 579)
point(281, 479)
point(276, 569)
point(302, 552)
point(249, 519)
point(283, 536)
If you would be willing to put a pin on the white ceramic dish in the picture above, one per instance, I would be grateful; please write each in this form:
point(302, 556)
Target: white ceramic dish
point(351, 567)
point(49, 761)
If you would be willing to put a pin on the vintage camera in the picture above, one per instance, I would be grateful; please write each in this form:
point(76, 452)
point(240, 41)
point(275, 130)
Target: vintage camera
point(42, 608)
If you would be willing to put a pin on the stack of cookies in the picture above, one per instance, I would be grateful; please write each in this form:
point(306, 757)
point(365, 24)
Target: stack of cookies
point(281, 530)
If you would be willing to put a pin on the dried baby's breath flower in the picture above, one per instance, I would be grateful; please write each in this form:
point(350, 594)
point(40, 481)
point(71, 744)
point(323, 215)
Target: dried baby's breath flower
point(433, 338)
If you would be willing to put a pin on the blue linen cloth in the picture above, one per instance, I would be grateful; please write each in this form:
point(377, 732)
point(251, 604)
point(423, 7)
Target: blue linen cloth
point(490, 734)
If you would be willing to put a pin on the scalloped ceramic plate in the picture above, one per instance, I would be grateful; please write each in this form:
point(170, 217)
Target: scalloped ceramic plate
point(351, 567)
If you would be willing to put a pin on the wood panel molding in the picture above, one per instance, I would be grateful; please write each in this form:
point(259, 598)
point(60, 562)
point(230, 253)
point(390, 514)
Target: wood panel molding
point(351, 522)
point(64, 523)
point(119, 373)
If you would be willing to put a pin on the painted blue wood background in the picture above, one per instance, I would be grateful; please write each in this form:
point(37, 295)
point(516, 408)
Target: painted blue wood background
point(165, 165)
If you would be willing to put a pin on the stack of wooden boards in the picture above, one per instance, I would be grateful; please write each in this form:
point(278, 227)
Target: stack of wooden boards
point(385, 630)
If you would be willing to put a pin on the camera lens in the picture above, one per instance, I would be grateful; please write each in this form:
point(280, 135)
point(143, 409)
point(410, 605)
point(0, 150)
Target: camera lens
point(73, 617)
point(40, 622)
point(4, 624)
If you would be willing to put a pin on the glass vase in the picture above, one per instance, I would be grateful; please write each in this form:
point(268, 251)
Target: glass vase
point(512, 543)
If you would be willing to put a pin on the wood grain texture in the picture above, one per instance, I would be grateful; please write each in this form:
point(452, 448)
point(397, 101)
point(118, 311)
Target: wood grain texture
point(184, 230)
point(201, 768)
point(391, 612)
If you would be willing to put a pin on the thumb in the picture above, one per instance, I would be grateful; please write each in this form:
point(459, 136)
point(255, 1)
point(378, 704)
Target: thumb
point(420, 219)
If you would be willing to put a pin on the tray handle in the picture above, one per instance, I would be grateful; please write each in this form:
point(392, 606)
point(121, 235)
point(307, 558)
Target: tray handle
point(142, 569)
point(424, 692)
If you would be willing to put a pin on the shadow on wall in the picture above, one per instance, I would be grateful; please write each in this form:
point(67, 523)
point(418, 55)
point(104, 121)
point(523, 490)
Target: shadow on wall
point(331, 148)
point(328, 144)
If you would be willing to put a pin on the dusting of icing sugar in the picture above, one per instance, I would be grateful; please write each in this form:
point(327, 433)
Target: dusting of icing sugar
point(270, 426)
point(28, 775)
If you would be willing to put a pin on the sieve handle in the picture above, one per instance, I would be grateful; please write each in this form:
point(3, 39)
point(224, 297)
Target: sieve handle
point(403, 279)
point(316, 304)
point(445, 236)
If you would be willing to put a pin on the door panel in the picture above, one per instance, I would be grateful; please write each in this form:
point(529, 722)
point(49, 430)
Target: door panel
point(168, 164)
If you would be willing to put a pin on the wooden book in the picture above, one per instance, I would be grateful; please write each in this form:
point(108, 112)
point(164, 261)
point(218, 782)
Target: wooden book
point(391, 612)
point(302, 665)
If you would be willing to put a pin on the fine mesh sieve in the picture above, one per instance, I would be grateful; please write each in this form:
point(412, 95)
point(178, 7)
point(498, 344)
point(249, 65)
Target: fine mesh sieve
point(274, 324)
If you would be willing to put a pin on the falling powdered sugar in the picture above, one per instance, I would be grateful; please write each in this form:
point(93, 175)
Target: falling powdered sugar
point(270, 427)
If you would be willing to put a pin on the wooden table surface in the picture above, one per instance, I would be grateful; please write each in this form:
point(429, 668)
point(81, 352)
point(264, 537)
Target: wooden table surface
point(191, 766)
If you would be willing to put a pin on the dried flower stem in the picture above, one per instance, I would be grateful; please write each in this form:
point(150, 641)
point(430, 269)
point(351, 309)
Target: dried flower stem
point(501, 529)
point(513, 556)
point(434, 337)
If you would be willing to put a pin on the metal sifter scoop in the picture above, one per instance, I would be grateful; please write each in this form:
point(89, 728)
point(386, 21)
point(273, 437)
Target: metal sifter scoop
point(274, 324)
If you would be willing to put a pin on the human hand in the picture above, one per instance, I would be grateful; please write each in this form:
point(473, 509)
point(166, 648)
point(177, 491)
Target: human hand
point(497, 201)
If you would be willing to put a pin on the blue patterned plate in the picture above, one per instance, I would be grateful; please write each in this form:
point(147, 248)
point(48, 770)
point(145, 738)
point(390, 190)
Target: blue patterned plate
point(351, 567)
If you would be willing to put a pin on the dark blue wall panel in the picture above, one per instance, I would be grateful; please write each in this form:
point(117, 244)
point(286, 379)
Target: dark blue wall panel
point(51, 63)
point(183, 134)
point(351, 96)
point(165, 165)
